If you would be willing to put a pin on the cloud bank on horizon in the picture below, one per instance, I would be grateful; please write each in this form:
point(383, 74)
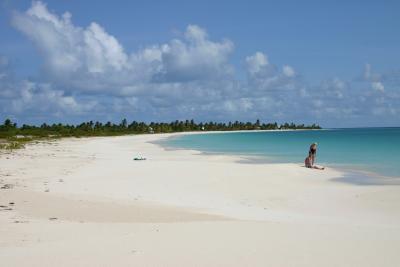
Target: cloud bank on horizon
point(88, 75)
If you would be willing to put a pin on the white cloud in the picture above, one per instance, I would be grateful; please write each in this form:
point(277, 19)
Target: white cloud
point(195, 58)
point(24, 98)
point(378, 86)
point(103, 50)
point(369, 75)
point(264, 76)
point(92, 59)
point(238, 105)
point(334, 88)
point(256, 62)
point(288, 71)
point(374, 78)
point(73, 56)
point(87, 72)
point(43, 98)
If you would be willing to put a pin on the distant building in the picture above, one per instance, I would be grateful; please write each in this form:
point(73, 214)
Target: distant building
point(151, 131)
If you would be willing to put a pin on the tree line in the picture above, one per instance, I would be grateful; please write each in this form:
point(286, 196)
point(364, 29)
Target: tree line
point(11, 129)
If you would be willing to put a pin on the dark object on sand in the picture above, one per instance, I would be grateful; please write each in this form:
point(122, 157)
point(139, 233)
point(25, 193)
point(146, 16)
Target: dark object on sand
point(7, 186)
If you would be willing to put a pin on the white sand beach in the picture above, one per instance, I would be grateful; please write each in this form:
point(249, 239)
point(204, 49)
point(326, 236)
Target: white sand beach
point(86, 202)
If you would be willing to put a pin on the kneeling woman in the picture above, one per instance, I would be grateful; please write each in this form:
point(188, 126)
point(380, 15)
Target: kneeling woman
point(310, 160)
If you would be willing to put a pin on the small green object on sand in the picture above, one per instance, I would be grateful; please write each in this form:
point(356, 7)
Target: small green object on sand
point(139, 158)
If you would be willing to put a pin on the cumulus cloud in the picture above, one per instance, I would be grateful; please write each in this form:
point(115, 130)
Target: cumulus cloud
point(375, 79)
point(288, 71)
point(334, 88)
point(44, 98)
point(378, 86)
point(369, 75)
point(89, 74)
point(92, 59)
point(360, 101)
point(256, 63)
point(195, 58)
point(24, 98)
point(86, 58)
point(264, 76)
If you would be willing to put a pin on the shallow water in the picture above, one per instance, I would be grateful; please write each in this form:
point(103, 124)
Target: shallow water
point(375, 150)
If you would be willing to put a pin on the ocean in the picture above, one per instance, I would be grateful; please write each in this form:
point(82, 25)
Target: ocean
point(372, 150)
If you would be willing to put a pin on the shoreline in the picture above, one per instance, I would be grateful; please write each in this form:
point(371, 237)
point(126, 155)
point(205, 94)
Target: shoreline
point(351, 173)
point(87, 202)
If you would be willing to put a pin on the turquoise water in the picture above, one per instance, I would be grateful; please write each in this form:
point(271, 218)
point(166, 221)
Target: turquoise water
point(374, 150)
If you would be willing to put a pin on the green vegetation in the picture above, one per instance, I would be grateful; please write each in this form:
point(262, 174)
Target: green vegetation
point(12, 145)
point(15, 137)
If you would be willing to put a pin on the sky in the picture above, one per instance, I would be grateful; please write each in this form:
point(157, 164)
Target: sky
point(335, 63)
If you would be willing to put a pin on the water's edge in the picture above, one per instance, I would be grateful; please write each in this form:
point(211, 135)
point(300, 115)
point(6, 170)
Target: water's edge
point(350, 175)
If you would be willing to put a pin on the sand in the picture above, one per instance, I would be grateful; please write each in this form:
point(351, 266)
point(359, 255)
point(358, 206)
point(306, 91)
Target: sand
point(86, 202)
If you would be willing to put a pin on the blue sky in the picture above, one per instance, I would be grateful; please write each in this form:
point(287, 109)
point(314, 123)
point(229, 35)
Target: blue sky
point(331, 62)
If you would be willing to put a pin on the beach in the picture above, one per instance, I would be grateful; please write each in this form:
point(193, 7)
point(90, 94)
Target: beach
point(86, 202)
